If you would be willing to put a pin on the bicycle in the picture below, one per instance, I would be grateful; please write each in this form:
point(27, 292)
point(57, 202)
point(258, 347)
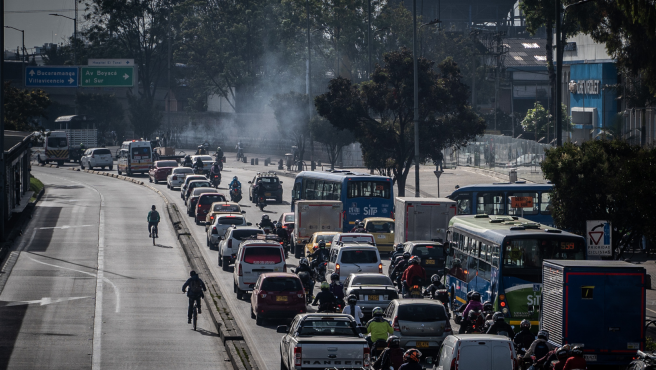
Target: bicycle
point(194, 315)
point(153, 232)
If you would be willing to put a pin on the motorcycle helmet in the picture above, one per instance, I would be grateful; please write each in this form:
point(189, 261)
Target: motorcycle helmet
point(562, 353)
point(187, 157)
point(265, 217)
point(473, 315)
point(435, 278)
point(334, 277)
point(325, 285)
point(525, 324)
point(393, 341)
point(399, 247)
point(577, 351)
point(361, 225)
point(498, 317)
point(193, 273)
point(303, 261)
point(322, 244)
point(377, 311)
point(457, 263)
point(406, 256)
point(487, 306)
point(357, 222)
point(469, 295)
point(476, 296)
point(235, 178)
point(543, 334)
point(415, 259)
point(352, 299)
point(411, 355)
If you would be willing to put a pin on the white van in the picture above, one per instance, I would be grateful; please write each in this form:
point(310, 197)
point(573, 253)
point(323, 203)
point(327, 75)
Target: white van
point(55, 148)
point(255, 257)
point(353, 259)
point(476, 352)
point(134, 156)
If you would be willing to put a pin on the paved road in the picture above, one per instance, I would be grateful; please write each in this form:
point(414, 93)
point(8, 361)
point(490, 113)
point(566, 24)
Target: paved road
point(89, 290)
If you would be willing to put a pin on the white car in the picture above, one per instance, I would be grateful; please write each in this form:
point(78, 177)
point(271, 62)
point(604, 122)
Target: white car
point(187, 180)
point(476, 351)
point(177, 177)
point(207, 160)
point(221, 223)
point(254, 258)
point(229, 244)
point(353, 259)
point(97, 157)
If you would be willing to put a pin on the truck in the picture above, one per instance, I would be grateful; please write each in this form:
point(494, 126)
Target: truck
point(78, 132)
point(312, 216)
point(422, 218)
point(323, 341)
point(598, 305)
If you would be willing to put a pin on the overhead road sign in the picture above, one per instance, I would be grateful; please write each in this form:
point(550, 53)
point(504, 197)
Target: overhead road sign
point(599, 238)
point(111, 62)
point(106, 76)
point(50, 76)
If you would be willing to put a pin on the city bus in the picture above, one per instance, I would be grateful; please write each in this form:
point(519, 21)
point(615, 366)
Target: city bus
point(501, 258)
point(362, 195)
point(134, 156)
point(496, 199)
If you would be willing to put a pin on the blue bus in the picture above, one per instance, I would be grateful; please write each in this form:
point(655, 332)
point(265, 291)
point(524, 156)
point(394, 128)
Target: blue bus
point(495, 199)
point(362, 195)
point(501, 258)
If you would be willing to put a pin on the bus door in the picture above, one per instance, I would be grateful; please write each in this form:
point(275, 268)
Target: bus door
point(483, 272)
point(456, 280)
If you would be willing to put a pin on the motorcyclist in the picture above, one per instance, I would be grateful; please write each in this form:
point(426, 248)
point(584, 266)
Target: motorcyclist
point(378, 327)
point(353, 309)
point(541, 346)
point(524, 338)
point(337, 288)
point(259, 191)
point(558, 357)
point(303, 265)
point(187, 161)
point(397, 253)
point(194, 293)
point(474, 304)
point(474, 323)
point(357, 223)
point(281, 232)
point(462, 308)
point(215, 170)
point(500, 326)
point(411, 360)
point(198, 166)
point(400, 267)
point(320, 255)
point(456, 270)
point(325, 298)
point(436, 284)
point(577, 361)
point(360, 228)
point(219, 153)
point(413, 273)
point(235, 183)
point(266, 222)
point(392, 356)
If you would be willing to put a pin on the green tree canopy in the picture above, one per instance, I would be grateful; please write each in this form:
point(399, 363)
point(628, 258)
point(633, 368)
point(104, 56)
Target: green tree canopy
point(538, 121)
point(104, 108)
point(23, 107)
point(332, 138)
point(380, 112)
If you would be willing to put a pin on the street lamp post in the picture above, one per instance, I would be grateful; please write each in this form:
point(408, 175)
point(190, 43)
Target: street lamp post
point(23, 32)
point(416, 94)
point(74, 31)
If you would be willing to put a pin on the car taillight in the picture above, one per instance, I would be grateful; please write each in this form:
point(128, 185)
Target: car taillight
point(454, 364)
point(380, 268)
point(263, 294)
point(448, 328)
point(395, 324)
point(199, 205)
point(230, 243)
point(300, 294)
point(241, 272)
point(298, 356)
point(214, 231)
point(366, 356)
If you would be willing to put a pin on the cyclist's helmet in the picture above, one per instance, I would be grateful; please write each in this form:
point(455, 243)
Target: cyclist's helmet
point(153, 207)
point(411, 355)
point(498, 317)
point(393, 342)
point(334, 277)
point(457, 263)
point(476, 296)
point(543, 334)
point(303, 261)
point(525, 324)
point(325, 285)
point(406, 256)
point(577, 351)
point(399, 247)
point(193, 273)
point(487, 306)
point(322, 244)
point(435, 278)
point(377, 311)
point(352, 299)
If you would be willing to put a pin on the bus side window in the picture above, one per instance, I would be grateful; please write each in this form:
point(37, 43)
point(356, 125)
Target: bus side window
point(337, 188)
point(490, 203)
point(308, 189)
point(464, 203)
point(528, 210)
point(296, 192)
point(472, 265)
point(484, 270)
point(485, 252)
point(318, 190)
point(495, 256)
point(545, 203)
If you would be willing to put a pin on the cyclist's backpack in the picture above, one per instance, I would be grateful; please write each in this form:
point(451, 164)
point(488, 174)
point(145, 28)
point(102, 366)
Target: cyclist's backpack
point(541, 350)
point(195, 288)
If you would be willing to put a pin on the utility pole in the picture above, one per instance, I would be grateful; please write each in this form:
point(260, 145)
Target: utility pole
point(369, 37)
point(168, 58)
point(309, 81)
point(3, 173)
point(23, 35)
point(74, 43)
point(559, 76)
point(416, 94)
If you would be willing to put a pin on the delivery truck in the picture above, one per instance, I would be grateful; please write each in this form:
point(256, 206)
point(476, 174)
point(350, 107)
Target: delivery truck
point(598, 305)
point(422, 218)
point(313, 216)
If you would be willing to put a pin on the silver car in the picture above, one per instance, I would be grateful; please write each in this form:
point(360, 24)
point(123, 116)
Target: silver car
point(221, 223)
point(372, 290)
point(177, 177)
point(419, 323)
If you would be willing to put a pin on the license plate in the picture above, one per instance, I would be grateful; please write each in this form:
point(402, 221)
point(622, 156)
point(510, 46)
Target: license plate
point(374, 297)
point(267, 194)
point(422, 344)
point(430, 262)
point(281, 298)
point(590, 357)
point(382, 236)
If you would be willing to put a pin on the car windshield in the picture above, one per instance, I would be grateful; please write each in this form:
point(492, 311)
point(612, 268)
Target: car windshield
point(245, 234)
point(231, 220)
point(142, 151)
point(325, 238)
point(206, 158)
point(167, 164)
point(421, 312)
point(57, 142)
point(200, 184)
point(281, 284)
point(289, 218)
point(102, 152)
point(268, 180)
point(263, 255)
point(359, 256)
point(206, 200)
point(361, 238)
point(327, 327)
point(201, 191)
point(371, 280)
point(183, 170)
point(380, 226)
point(434, 251)
point(226, 208)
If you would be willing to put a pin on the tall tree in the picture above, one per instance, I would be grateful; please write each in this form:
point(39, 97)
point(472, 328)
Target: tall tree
point(23, 107)
point(291, 112)
point(332, 138)
point(104, 108)
point(380, 112)
point(538, 121)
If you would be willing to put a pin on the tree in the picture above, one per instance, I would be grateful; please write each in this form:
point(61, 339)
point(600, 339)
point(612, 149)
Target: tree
point(332, 138)
point(292, 115)
point(504, 123)
point(379, 112)
point(603, 180)
point(144, 115)
point(104, 108)
point(23, 107)
point(538, 121)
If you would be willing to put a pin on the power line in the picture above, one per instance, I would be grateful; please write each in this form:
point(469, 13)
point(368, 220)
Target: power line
point(39, 11)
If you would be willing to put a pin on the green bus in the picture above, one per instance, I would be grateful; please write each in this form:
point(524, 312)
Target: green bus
point(501, 258)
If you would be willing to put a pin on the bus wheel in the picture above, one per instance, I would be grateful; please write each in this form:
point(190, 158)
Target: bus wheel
point(60, 163)
point(119, 171)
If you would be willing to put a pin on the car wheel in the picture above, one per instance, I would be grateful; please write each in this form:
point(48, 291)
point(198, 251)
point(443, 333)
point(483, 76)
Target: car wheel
point(196, 221)
point(259, 320)
point(240, 294)
point(119, 172)
point(156, 181)
point(252, 313)
point(102, 168)
point(234, 287)
point(297, 250)
point(90, 168)
point(111, 167)
point(81, 165)
point(282, 363)
point(168, 186)
point(220, 260)
point(207, 241)
point(279, 200)
point(226, 263)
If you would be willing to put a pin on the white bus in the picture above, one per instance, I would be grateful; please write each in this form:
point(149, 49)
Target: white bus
point(134, 156)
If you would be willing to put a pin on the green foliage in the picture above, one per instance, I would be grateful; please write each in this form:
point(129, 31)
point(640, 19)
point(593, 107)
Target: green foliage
point(504, 123)
point(144, 115)
point(35, 185)
point(538, 120)
point(105, 108)
point(604, 180)
point(292, 114)
point(23, 107)
point(332, 138)
point(380, 112)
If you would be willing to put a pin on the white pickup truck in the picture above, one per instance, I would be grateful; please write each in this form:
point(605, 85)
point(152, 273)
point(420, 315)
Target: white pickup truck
point(320, 341)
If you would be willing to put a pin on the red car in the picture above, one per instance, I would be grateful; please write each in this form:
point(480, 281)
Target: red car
point(203, 205)
point(160, 170)
point(277, 294)
point(193, 199)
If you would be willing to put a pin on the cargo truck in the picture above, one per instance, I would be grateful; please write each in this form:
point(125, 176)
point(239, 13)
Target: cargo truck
point(313, 216)
point(598, 305)
point(422, 218)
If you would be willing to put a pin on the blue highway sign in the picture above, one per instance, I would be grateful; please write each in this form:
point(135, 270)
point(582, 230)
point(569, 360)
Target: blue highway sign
point(47, 76)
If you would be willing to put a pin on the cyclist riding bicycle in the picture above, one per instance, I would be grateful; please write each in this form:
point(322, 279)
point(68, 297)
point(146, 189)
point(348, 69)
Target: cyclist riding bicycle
point(194, 293)
point(153, 220)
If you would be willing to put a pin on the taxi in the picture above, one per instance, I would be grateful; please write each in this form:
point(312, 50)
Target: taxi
point(382, 228)
point(326, 236)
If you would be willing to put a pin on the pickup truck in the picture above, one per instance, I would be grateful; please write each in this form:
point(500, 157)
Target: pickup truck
point(320, 341)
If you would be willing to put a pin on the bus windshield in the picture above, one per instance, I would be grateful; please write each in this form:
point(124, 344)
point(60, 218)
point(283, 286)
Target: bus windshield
point(526, 255)
point(369, 189)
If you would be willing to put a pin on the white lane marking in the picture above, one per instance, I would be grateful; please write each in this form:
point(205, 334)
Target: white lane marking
point(116, 292)
point(97, 320)
point(650, 310)
point(45, 300)
point(63, 227)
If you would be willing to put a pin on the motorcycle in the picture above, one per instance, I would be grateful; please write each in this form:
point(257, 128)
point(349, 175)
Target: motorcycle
point(216, 180)
point(267, 229)
point(378, 348)
point(198, 171)
point(320, 271)
point(331, 307)
point(235, 195)
point(261, 203)
point(415, 292)
point(308, 286)
point(643, 361)
point(240, 154)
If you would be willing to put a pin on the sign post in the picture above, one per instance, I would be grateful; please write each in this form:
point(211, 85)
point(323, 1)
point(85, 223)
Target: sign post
point(106, 76)
point(598, 235)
